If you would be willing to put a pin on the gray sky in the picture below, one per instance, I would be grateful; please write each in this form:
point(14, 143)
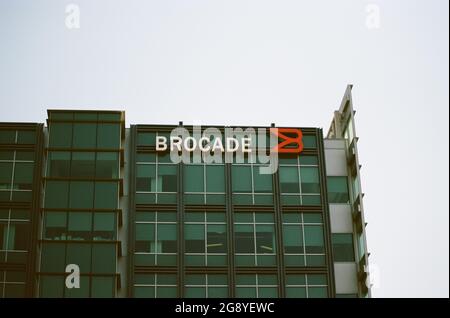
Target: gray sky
point(252, 62)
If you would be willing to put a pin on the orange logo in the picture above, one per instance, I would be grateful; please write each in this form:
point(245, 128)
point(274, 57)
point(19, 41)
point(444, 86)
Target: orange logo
point(287, 140)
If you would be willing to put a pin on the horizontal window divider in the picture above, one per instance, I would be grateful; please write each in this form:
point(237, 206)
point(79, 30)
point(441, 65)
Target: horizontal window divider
point(93, 179)
point(116, 242)
point(156, 207)
point(206, 270)
point(80, 210)
point(89, 274)
point(203, 193)
point(13, 267)
point(302, 208)
point(254, 208)
point(14, 251)
point(154, 192)
point(256, 270)
point(83, 121)
point(204, 208)
point(15, 205)
point(15, 147)
point(71, 149)
point(153, 253)
point(309, 254)
point(155, 269)
point(306, 270)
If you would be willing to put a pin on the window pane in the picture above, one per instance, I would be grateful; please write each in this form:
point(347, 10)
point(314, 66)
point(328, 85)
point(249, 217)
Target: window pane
point(81, 194)
point(293, 239)
point(242, 178)
point(167, 238)
point(217, 238)
point(7, 136)
point(108, 136)
point(167, 177)
point(145, 238)
point(146, 178)
point(265, 239)
point(55, 225)
point(59, 164)
point(19, 234)
point(104, 226)
point(84, 135)
point(79, 254)
point(263, 182)
point(53, 257)
point(309, 141)
point(23, 175)
point(103, 287)
point(51, 286)
point(310, 180)
point(244, 238)
point(146, 139)
point(314, 239)
point(343, 247)
point(107, 165)
point(60, 135)
point(106, 195)
point(103, 258)
point(195, 238)
point(215, 178)
point(289, 181)
point(193, 178)
point(5, 175)
point(83, 164)
point(56, 194)
point(337, 190)
point(80, 226)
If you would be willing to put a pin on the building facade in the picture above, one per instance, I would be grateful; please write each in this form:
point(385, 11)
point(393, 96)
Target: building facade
point(86, 191)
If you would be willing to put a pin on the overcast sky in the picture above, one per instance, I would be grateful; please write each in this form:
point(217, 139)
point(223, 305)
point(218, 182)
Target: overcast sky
point(255, 62)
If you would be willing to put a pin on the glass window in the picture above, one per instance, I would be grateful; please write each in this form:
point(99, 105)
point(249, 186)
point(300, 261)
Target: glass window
point(215, 178)
point(27, 137)
point(108, 136)
point(7, 136)
point(60, 135)
point(103, 258)
point(242, 178)
point(83, 164)
point(107, 165)
point(245, 239)
point(5, 175)
point(193, 178)
point(167, 178)
point(58, 164)
point(81, 194)
point(338, 190)
point(56, 194)
point(55, 225)
point(293, 239)
point(310, 179)
point(103, 287)
point(309, 141)
point(79, 226)
point(106, 195)
point(79, 254)
point(104, 226)
point(314, 239)
point(343, 247)
point(53, 257)
point(289, 181)
point(23, 175)
point(263, 182)
point(146, 139)
point(84, 135)
point(256, 286)
point(195, 238)
point(146, 178)
point(167, 238)
point(51, 286)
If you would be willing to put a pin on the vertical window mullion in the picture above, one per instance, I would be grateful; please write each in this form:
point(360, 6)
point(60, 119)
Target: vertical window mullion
point(303, 238)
